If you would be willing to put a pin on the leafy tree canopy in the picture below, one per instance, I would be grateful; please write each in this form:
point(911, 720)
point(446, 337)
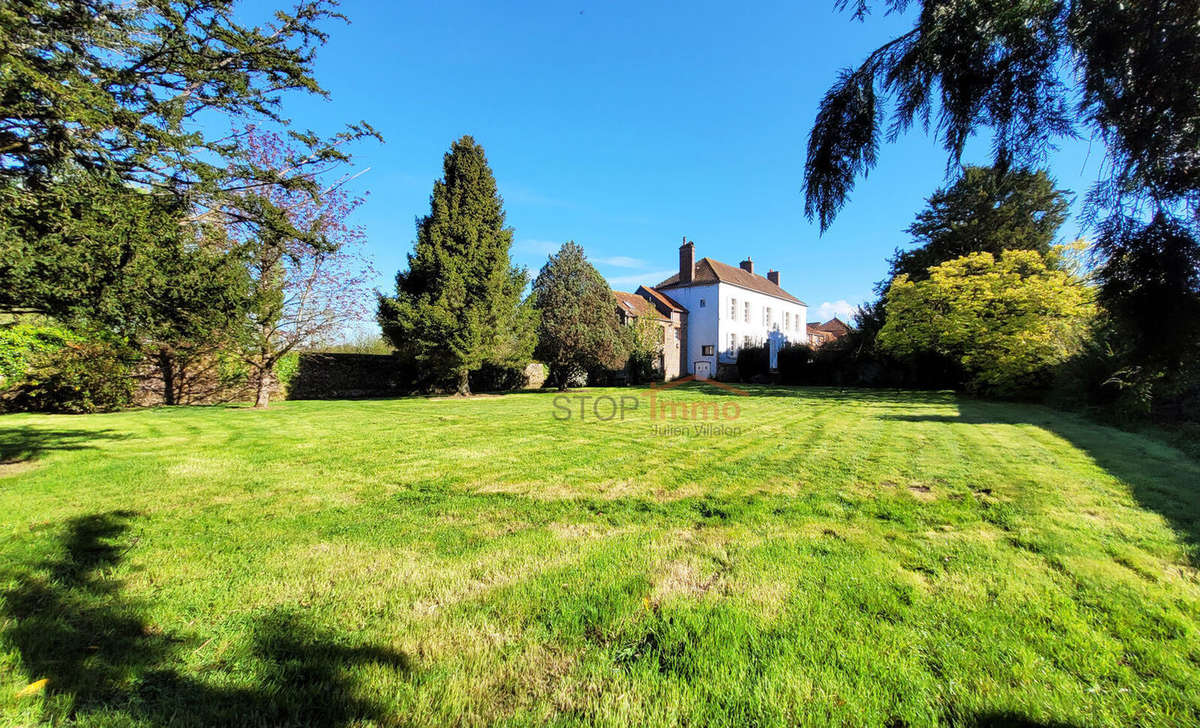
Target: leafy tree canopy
point(984, 211)
point(578, 327)
point(644, 342)
point(1009, 320)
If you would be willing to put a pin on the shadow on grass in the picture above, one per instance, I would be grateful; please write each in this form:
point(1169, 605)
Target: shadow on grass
point(71, 624)
point(1156, 479)
point(1011, 720)
point(24, 444)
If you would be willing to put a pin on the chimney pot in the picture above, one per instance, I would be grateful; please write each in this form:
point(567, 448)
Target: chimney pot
point(773, 276)
point(748, 265)
point(687, 261)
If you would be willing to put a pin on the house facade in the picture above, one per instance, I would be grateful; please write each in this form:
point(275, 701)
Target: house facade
point(721, 309)
point(664, 313)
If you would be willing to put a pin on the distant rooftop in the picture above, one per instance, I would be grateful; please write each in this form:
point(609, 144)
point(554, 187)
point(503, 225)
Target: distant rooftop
point(637, 306)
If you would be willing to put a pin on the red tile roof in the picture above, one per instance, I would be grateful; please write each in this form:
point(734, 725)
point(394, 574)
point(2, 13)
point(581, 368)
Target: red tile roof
point(635, 305)
point(835, 326)
point(662, 298)
point(708, 271)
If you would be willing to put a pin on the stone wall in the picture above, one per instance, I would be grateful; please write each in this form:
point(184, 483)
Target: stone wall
point(198, 381)
point(347, 376)
point(317, 376)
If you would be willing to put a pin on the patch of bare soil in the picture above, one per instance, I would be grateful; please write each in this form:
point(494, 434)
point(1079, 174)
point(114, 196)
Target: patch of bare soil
point(15, 467)
point(682, 578)
point(922, 492)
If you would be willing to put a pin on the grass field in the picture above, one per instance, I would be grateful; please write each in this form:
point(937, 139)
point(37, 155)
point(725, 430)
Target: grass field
point(833, 558)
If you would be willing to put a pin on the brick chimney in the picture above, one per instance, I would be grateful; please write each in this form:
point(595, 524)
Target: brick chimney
point(687, 261)
point(773, 276)
point(748, 265)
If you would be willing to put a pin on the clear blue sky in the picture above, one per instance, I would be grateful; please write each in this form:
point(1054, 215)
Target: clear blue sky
point(627, 125)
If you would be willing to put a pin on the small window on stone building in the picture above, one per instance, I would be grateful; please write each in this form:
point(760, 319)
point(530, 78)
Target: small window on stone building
point(701, 303)
point(706, 350)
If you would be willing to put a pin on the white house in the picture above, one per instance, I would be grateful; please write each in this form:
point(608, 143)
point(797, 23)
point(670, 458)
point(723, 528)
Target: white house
point(728, 308)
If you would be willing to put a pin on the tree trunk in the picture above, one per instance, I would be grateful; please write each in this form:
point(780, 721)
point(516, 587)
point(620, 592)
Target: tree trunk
point(166, 366)
point(262, 393)
point(464, 384)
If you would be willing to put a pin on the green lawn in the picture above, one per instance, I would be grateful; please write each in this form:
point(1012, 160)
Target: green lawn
point(837, 558)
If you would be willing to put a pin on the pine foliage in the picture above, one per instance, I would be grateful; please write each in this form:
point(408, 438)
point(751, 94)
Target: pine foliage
point(458, 305)
point(578, 327)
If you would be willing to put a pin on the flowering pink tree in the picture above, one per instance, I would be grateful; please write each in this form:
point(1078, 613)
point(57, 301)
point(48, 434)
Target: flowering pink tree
point(308, 268)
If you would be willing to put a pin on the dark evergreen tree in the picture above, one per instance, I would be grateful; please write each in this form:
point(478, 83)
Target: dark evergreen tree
point(578, 327)
point(984, 211)
point(112, 85)
point(127, 270)
point(1152, 276)
point(459, 303)
point(104, 95)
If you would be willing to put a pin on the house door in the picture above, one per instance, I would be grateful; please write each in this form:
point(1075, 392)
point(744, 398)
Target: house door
point(703, 369)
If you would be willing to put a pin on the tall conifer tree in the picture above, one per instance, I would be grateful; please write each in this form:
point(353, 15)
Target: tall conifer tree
point(578, 327)
point(459, 303)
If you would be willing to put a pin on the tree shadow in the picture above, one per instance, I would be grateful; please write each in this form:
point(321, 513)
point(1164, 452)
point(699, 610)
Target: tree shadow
point(71, 623)
point(1150, 468)
point(1007, 719)
point(24, 444)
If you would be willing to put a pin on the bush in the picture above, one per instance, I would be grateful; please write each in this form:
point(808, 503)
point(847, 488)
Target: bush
point(643, 367)
point(574, 376)
point(794, 363)
point(78, 378)
point(286, 368)
point(22, 343)
point(752, 362)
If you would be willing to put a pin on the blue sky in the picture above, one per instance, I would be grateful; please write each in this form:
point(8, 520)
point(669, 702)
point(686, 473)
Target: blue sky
point(626, 126)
